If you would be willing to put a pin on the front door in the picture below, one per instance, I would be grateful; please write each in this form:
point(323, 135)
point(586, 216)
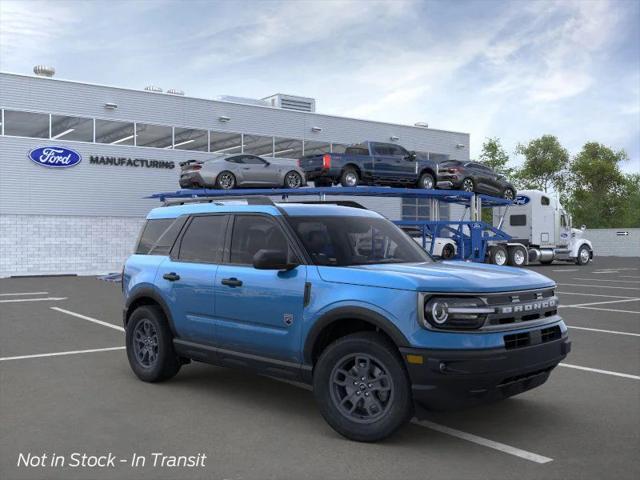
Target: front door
point(259, 311)
point(187, 278)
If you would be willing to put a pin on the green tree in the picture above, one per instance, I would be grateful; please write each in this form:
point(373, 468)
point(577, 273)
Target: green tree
point(494, 156)
point(545, 164)
point(599, 194)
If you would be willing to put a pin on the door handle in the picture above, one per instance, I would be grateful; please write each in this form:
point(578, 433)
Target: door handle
point(172, 277)
point(231, 282)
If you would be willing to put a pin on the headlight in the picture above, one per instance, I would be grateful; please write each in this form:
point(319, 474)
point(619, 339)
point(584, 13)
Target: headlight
point(455, 312)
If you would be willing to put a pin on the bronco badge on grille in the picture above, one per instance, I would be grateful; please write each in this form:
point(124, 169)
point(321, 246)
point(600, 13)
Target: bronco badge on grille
point(529, 307)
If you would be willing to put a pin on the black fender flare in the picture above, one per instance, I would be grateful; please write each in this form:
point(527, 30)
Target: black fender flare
point(148, 292)
point(351, 313)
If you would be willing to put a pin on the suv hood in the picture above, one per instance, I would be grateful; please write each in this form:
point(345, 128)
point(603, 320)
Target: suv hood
point(450, 276)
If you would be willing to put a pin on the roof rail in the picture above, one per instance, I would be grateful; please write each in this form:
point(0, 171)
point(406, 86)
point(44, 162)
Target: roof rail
point(220, 200)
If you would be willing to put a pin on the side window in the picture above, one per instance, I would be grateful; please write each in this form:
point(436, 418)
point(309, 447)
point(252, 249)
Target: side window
point(151, 232)
point(518, 220)
point(203, 241)
point(397, 151)
point(253, 160)
point(563, 221)
point(239, 159)
point(545, 201)
point(381, 149)
point(163, 245)
point(252, 233)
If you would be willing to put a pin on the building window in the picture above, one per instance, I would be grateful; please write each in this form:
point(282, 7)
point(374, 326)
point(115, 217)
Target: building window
point(258, 145)
point(316, 148)
point(225, 143)
point(338, 147)
point(115, 133)
point(71, 128)
point(26, 124)
point(191, 139)
point(287, 148)
point(157, 136)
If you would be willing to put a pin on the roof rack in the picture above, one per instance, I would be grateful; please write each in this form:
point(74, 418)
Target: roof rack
point(217, 199)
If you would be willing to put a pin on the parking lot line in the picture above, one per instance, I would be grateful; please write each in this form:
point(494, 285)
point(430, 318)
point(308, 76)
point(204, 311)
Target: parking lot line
point(43, 299)
point(632, 299)
point(568, 270)
point(89, 319)
point(597, 370)
point(606, 280)
point(59, 354)
point(596, 286)
point(592, 295)
point(22, 293)
point(606, 309)
point(485, 442)
point(615, 332)
point(629, 276)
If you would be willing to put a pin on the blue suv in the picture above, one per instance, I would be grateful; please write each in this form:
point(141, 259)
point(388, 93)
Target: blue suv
point(337, 297)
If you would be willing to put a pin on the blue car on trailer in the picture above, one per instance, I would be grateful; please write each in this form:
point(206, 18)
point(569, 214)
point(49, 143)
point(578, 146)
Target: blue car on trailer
point(337, 297)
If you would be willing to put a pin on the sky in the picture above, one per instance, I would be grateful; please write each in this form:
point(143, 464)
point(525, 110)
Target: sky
point(514, 70)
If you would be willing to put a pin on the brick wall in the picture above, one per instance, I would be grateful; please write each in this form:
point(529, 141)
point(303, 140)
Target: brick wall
point(45, 244)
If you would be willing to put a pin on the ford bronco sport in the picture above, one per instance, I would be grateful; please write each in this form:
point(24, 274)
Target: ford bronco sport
point(339, 298)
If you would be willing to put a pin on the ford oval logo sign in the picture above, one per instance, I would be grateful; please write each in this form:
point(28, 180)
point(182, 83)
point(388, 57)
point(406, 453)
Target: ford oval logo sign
point(521, 200)
point(55, 157)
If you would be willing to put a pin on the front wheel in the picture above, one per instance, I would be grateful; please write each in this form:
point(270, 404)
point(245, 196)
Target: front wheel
point(508, 194)
point(584, 255)
point(293, 180)
point(362, 388)
point(468, 185)
point(426, 181)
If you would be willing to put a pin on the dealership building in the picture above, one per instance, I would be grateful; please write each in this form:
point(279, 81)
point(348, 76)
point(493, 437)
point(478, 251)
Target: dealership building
point(85, 218)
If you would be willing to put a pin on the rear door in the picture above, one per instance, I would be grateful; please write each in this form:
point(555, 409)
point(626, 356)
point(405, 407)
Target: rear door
point(259, 312)
point(186, 279)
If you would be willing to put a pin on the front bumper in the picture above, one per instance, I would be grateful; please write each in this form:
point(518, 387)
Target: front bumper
point(451, 379)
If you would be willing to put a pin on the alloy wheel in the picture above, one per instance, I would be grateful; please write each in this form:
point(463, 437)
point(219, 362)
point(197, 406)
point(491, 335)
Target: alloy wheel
point(351, 179)
point(145, 343)
point(293, 180)
point(226, 181)
point(467, 185)
point(361, 388)
point(508, 194)
point(427, 182)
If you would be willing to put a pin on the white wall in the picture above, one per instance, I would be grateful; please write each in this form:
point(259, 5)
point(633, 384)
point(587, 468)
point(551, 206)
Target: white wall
point(606, 242)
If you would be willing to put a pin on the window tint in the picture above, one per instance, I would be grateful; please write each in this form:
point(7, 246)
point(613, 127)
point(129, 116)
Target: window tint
point(113, 132)
point(252, 233)
point(26, 124)
point(71, 128)
point(157, 136)
point(238, 159)
point(163, 245)
point(204, 239)
point(518, 220)
point(563, 221)
point(252, 160)
point(151, 232)
point(357, 151)
point(397, 150)
point(545, 201)
point(381, 150)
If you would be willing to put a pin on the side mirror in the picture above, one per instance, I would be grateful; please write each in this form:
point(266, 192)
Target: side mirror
point(411, 157)
point(272, 260)
point(266, 164)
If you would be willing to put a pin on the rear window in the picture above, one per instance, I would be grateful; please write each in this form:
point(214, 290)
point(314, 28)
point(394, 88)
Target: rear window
point(158, 236)
point(518, 220)
point(357, 151)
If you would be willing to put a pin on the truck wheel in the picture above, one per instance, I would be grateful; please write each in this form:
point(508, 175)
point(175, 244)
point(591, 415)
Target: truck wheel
point(149, 344)
point(468, 185)
point(517, 256)
point(349, 178)
point(226, 180)
point(426, 181)
point(448, 252)
point(498, 255)
point(584, 255)
point(362, 388)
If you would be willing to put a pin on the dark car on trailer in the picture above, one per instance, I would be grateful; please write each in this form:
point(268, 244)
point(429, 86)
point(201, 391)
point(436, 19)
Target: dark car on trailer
point(474, 177)
point(371, 163)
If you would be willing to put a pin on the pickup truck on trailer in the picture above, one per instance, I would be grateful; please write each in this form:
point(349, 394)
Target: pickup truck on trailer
point(372, 163)
point(337, 297)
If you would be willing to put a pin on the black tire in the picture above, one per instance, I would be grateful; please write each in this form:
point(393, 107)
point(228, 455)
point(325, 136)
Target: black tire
point(498, 255)
point(225, 180)
point(468, 185)
point(509, 194)
point(323, 182)
point(349, 177)
point(165, 363)
point(388, 403)
point(448, 252)
point(584, 255)
point(517, 256)
point(293, 180)
point(427, 181)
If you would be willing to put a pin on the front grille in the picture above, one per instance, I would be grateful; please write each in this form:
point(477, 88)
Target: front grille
point(517, 307)
point(520, 340)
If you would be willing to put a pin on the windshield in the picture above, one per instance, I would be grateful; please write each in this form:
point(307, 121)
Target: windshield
point(344, 241)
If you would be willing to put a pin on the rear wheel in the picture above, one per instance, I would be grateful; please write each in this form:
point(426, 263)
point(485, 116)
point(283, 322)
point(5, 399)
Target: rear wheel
point(468, 185)
point(498, 255)
point(508, 194)
point(293, 180)
point(426, 181)
point(226, 180)
point(149, 344)
point(349, 177)
point(517, 256)
point(362, 388)
point(584, 255)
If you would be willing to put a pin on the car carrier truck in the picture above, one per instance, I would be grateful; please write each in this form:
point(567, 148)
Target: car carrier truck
point(540, 231)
